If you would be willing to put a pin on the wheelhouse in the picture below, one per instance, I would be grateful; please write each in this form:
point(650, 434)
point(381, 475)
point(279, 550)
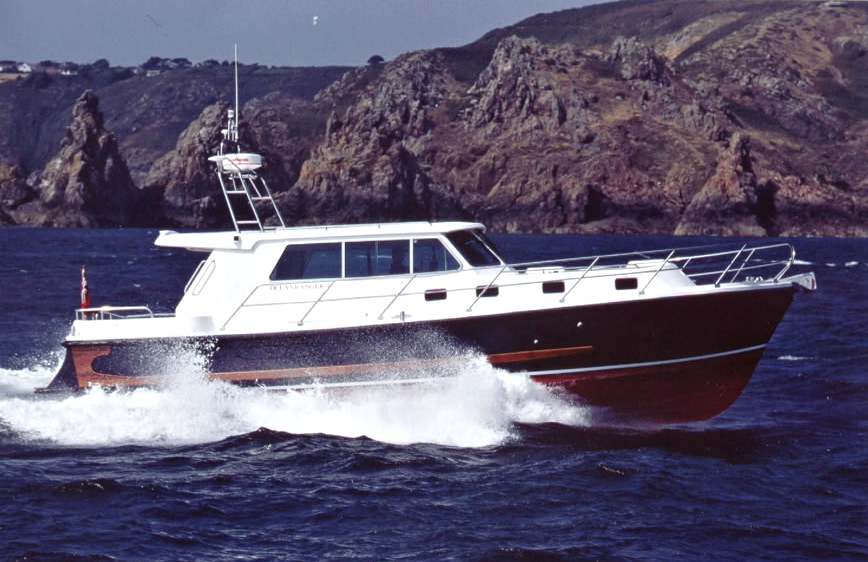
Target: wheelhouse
point(352, 252)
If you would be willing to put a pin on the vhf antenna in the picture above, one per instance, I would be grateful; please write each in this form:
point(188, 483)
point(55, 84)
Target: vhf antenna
point(234, 116)
point(237, 112)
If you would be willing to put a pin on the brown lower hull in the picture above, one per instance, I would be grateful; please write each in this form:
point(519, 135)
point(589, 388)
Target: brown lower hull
point(664, 392)
point(684, 391)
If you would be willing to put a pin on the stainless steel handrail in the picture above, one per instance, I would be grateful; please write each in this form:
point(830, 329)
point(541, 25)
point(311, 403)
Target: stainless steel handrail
point(790, 262)
point(479, 294)
point(659, 269)
point(111, 312)
point(309, 310)
point(407, 284)
point(589, 268)
point(728, 267)
point(747, 259)
point(605, 270)
point(744, 268)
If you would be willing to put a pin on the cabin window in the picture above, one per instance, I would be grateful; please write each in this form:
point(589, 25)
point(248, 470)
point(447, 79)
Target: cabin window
point(626, 283)
point(203, 278)
point(308, 261)
point(435, 295)
point(429, 255)
point(492, 291)
point(378, 257)
point(489, 243)
point(549, 287)
point(472, 247)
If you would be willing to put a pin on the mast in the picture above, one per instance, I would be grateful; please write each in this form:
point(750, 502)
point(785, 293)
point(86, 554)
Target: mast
point(237, 112)
point(242, 187)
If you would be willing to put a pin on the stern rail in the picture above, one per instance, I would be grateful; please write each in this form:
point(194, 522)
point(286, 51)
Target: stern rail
point(117, 313)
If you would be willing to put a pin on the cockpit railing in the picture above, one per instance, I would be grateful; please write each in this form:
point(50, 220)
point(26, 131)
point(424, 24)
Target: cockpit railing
point(697, 262)
point(117, 313)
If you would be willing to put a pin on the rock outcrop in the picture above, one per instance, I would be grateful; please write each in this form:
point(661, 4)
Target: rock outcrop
point(184, 180)
point(87, 183)
point(14, 190)
point(637, 61)
point(729, 202)
point(370, 165)
point(530, 146)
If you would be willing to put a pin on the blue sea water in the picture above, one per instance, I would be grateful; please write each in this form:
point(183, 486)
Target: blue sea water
point(486, 466)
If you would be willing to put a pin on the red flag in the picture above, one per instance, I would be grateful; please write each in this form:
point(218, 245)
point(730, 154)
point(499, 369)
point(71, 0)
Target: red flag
point(85, 294)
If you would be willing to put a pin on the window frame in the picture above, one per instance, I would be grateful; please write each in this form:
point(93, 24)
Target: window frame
point(377, 241)
point(478, 236)
point(451, 252)
point(273, 278)
point(444, 243)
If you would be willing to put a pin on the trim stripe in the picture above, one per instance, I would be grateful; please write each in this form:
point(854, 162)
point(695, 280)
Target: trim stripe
point(626, 369)
point(649, 363)
point(336, 370)
point(357, 384)
point(519, 356)
point(366, 368)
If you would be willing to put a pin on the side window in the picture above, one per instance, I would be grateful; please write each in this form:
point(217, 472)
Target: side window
point(429, 255)
point(472, 248)
point(379, 257)
point(308, 261)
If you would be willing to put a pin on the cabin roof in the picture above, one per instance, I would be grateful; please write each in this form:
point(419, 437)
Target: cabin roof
point(246, 240)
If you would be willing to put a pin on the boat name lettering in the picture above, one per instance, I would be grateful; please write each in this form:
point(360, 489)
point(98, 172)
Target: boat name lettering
point(299, 286)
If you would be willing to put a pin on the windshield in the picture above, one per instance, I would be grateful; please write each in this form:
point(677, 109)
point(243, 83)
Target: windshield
point(471, 246)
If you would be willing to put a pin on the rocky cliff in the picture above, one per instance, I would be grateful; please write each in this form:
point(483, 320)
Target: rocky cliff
point(183, 180)
point(87, 183)
point(732, 117)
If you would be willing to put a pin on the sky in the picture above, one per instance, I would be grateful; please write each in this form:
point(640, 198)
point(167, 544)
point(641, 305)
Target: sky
point(268, 32)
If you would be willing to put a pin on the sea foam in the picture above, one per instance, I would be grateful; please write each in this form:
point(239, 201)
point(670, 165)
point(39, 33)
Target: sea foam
point(475, 406)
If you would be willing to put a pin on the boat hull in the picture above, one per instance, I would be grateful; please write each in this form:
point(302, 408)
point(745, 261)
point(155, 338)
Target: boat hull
point(674, 359)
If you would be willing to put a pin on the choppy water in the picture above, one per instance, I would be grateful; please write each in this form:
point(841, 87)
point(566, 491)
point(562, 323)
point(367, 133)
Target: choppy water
point(483, 466)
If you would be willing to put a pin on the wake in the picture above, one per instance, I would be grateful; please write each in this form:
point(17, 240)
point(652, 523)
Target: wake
point(475, 406)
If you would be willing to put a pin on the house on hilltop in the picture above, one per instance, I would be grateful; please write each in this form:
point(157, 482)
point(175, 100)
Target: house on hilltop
point(69, 69)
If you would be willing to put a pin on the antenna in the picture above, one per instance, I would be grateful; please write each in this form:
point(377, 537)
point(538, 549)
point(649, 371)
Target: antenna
point(237, 113)
point(231, 131)
point(242, 186)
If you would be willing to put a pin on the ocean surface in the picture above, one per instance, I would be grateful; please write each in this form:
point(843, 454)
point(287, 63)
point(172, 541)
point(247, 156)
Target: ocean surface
point(486, 466)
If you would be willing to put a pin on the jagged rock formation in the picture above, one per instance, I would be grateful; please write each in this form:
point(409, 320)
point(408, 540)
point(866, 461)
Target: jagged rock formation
point(14, 190)
point(728, 202)
point(87, 183)
point(183, 180)
point(695, 138)
point(368, 166)
point(529, 146)
point(637, 61)
point(184, 183)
